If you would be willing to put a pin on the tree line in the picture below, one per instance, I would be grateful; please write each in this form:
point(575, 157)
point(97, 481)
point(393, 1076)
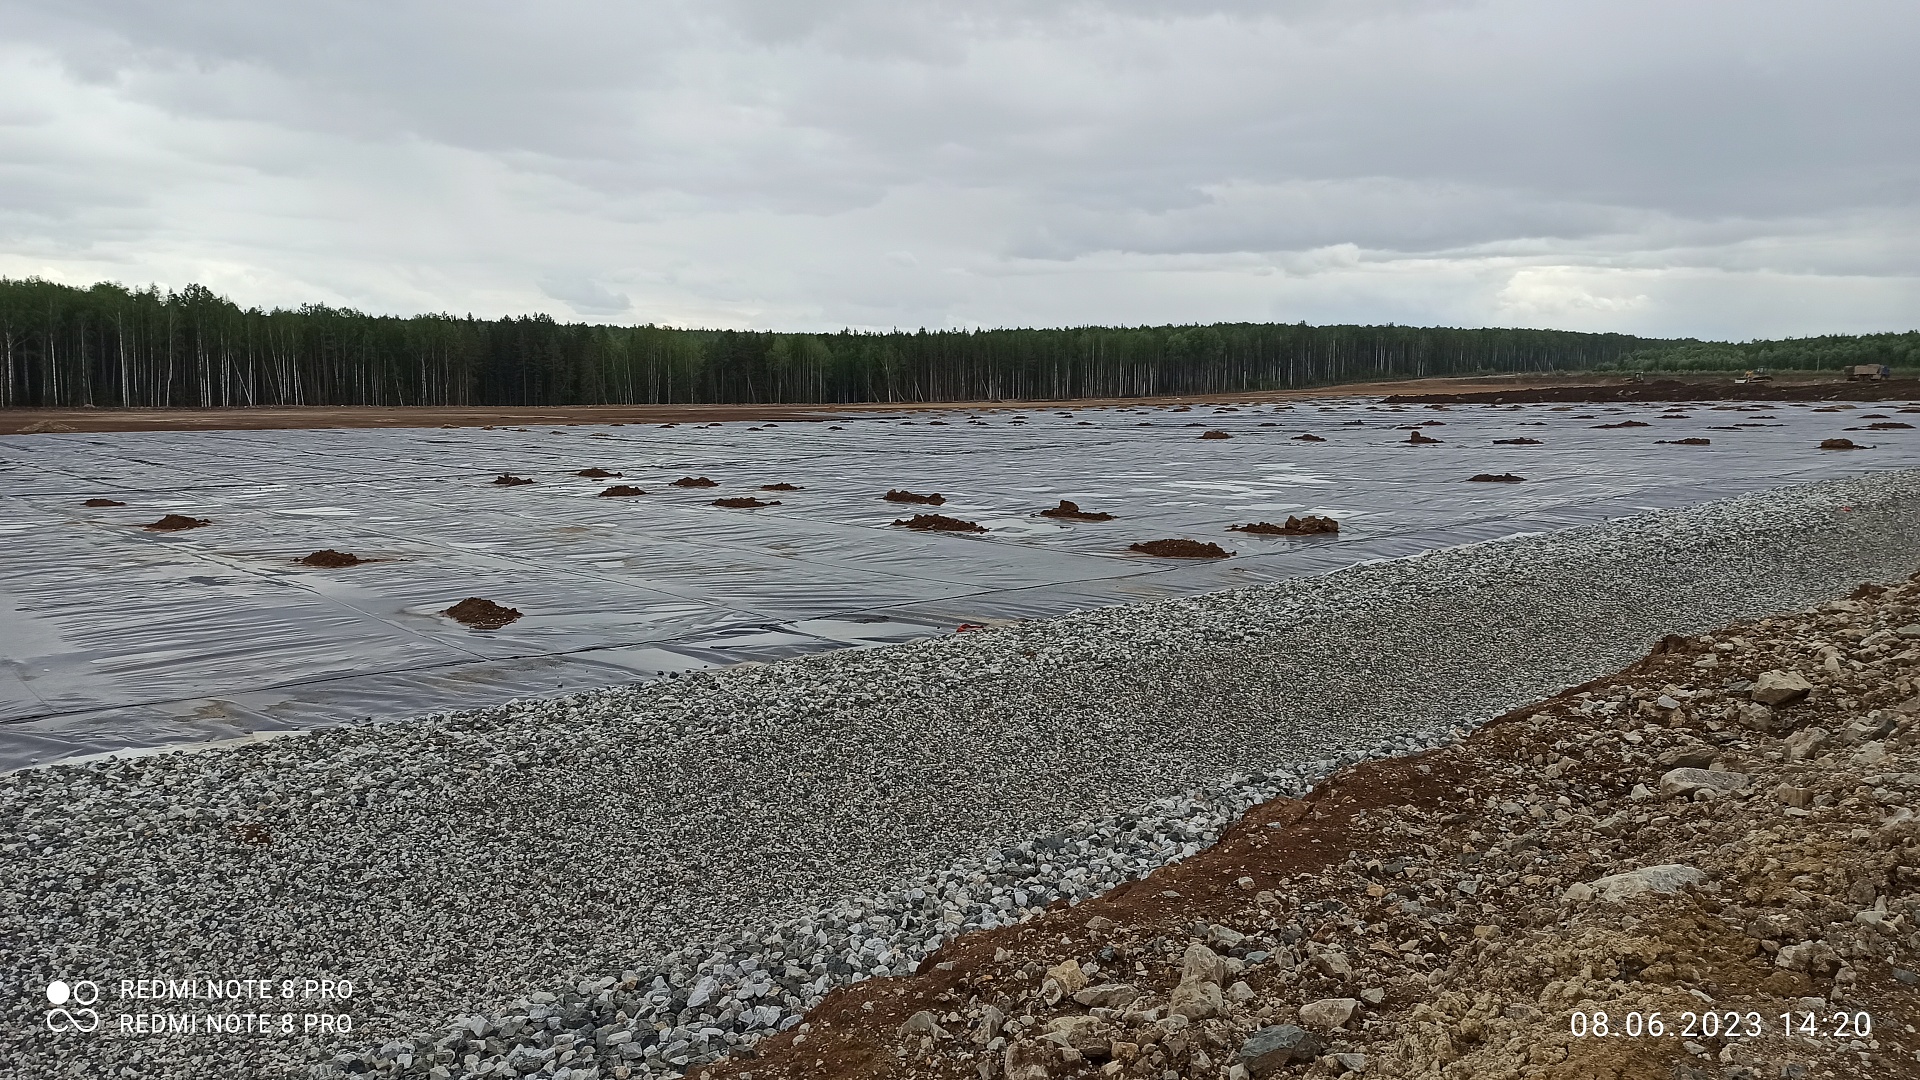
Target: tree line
point(1826, 353)
point(113, 346)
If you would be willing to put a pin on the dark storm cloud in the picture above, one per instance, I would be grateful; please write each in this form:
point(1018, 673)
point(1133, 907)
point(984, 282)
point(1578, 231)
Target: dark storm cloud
point(1644, 165)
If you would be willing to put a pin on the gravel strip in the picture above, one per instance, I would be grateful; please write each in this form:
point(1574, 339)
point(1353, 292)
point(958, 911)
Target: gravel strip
point(453, 863)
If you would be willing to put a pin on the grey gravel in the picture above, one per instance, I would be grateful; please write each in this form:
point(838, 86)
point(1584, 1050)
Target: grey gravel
point(708, 855)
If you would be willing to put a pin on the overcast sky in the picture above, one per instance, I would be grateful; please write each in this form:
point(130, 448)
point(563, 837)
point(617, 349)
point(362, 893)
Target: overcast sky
point(1718, 168)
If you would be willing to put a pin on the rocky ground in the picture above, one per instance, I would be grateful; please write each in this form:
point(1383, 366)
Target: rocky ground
point(1714, 849)
point(640, 881)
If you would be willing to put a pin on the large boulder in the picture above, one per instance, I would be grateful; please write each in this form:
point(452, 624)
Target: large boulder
point(1271, 1049)
point(1661, 880)
point(1778, 687)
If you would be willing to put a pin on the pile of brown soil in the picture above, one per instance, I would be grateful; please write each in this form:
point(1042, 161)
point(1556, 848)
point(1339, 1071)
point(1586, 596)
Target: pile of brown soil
point(897, 495)
point(618, 491)
point(1694, 441)
point(1840, 444)
point(1625, 423)
point(1295, 526)
point(1308, 438)
point(1215, 434)
point(1886, 425)
point(781, 487)
point(1071, 511)
point(695, 482)
point(1680, 840)
point(329, 559)
point(744, 502)
point(510, 480)
point(46, 427)
point(177, 522)
point(1521, 441)
point(103, 502)
point(1181, 549)
point(938, 523)
point(1419, 437)
point(1495, 478)
point(596, 473)
point(481, 614)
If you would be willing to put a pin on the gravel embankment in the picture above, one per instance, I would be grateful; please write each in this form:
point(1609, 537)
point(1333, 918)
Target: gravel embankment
point(454, 863)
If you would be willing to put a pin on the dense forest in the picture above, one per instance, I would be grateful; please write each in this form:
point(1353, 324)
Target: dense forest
point(1794, 354)
point(113, 346)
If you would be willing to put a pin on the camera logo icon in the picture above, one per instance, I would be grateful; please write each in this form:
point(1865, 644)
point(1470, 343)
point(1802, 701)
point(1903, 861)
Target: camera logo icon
point(60, 994)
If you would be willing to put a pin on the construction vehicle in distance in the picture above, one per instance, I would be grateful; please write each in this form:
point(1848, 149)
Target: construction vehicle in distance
point(1754, 375)
point(1870, 372)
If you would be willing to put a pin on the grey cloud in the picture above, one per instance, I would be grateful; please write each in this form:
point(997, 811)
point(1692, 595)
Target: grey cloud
point(758, 159)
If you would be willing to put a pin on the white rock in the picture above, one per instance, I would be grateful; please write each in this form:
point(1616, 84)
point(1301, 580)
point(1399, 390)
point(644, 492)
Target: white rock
point(1662, 880)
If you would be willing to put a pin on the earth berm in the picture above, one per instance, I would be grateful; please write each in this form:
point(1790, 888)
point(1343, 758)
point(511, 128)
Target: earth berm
point(1703, 866)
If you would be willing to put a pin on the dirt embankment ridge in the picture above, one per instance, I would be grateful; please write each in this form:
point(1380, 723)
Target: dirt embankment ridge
point(1721, 835)
point(1723, 389)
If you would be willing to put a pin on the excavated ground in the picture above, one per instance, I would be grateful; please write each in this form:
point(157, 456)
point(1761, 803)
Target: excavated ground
point(1469, 912)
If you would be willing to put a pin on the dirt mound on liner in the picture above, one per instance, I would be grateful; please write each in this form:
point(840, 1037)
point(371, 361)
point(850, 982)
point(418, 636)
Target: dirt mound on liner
point(1495, 478)
point(1215, 434)
point(781, 487)
point(103, 502)
point(744, 502)
point(1309, 525)
point(596, 474)
point(1840, 444)
point(1418, 437)
point(620, 491)
point(1887, 425)
point(1695, 441)
point(1071, 511)
point(900, 496)
point(938, 523)
point(329, 559)
point(481, 614)
point(1180, 549)
point(1625, 423)
point(177, 522)
point(510, 480)
point(1521, 441)
point(1308, 438)
point(695, 482)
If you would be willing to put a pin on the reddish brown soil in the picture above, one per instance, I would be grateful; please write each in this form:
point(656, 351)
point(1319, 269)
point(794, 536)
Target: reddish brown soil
point(17, 421)
point(744, 502)
point(1345, 864)
point(596, 473)
point(103, 502)
point(481, 614)
point(177, 522)
point(1071, 511)
point(1309, 525)
point(329, 559)
point(619, 491)
point(899, 496)
point(1215, 434)
point(938, 523)
point(695, 482)
point(1695, 441)
point(783, 486)
point(1495, 478)
point(1419, 437)
point(1704, 389)
point(1840, 444)
point(1522, 441)
point(1181, 549)
point(510, 480)
point(1308, 438)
